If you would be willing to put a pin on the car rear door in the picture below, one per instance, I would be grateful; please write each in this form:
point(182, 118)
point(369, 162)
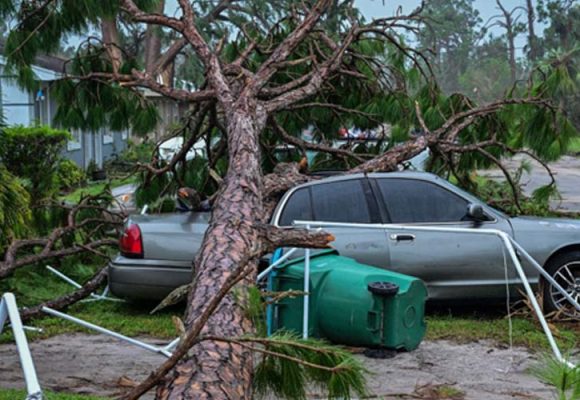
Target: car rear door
point(347, 201)
point(454, 265)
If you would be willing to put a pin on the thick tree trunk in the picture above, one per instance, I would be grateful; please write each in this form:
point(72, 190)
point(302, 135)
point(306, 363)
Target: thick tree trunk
point(220, 370)
point(110, 36)
point(532, 39)
point(153, 42)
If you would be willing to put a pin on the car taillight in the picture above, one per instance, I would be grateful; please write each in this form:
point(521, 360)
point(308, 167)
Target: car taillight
point(131, 244)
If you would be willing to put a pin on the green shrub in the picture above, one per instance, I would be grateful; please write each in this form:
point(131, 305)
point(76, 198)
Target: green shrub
point(14, 211)
point(69, 175)
point(33, 153)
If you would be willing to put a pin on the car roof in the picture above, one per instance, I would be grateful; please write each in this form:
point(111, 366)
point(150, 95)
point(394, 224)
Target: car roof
point(425, 176)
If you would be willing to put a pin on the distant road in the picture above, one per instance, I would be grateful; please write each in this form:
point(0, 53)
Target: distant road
point(566, 171)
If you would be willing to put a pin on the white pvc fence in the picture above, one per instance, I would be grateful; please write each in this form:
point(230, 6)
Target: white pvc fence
point(9, 312)
point(508, 242)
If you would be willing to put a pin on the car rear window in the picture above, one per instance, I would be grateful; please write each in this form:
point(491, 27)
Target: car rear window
point(298, 207)
point(342, 201)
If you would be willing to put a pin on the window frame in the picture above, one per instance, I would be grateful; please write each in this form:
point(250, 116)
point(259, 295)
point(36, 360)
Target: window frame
point(373, 207)
point(385, 213)
point(287, 199)
point(75, 141)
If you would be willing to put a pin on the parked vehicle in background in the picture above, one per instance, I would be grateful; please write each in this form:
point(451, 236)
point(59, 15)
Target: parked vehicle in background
point(156, 251)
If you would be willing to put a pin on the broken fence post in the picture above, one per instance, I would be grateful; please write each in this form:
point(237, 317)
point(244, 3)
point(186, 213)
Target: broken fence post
point(9, 311)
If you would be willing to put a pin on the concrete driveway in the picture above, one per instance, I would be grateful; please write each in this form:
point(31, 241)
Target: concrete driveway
point(566, 171)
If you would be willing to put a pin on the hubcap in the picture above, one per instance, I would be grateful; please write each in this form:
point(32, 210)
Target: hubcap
point(568, 276)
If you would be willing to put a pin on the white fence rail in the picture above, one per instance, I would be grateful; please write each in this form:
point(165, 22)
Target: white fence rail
point(9, 312)
point(166, 350)
point(508, 242)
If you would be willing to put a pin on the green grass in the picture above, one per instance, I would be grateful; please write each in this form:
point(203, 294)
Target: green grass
point(96, 188)
point(128, 319)
point(525, 331)
point(11, 394)
point(33, 285)
point(574, 147)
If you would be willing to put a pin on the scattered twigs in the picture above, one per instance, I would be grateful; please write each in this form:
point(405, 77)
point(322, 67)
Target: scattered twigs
point(53, 246)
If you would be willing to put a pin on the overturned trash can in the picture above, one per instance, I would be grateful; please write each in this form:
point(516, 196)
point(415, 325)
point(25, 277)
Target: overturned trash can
point(351, 303)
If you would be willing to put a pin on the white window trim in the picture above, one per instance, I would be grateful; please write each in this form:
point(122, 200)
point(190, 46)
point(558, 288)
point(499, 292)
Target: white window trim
point(74, 144)
point(108, 138)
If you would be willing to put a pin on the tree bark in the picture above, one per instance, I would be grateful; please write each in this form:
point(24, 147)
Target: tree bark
point(218, 370)
point(153, 42)
point(510, 34)
point(532, 39)
point(110, 36)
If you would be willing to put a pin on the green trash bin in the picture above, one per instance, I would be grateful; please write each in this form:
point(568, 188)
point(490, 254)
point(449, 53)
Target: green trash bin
point(352, 303)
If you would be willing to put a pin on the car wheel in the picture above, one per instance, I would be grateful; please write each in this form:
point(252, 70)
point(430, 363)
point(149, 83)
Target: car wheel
point(385, 289)
point(565, 269)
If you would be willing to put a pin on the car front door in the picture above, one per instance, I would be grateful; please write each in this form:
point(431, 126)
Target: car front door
point(454, 265)
point(348, 201)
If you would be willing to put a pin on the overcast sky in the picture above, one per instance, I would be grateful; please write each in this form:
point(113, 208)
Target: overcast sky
point(381, 8)
point(487, 9)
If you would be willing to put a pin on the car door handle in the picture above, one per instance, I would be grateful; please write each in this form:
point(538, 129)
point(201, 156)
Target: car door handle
point(404, 237)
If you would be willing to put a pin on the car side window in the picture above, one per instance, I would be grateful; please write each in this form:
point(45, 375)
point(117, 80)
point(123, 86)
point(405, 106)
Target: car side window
point(341, 201)
point(411, 200)
point(298, 207)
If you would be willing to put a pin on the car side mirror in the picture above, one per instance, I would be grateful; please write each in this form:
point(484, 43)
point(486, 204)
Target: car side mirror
point(475, 212)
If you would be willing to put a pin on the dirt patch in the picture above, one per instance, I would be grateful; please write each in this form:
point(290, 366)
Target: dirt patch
point(84, 364)
point(479, 370)
point(92, 364)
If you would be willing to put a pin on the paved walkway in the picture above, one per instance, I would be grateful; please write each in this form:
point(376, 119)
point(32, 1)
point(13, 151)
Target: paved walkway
point(566, 171)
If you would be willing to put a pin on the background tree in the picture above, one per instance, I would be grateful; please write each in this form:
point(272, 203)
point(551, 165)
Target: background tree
point(560, 46)
point(450, 33)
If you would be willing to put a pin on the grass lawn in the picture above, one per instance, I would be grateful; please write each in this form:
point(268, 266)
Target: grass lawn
point(574, 147)
point(9, 394)
point(33, 285)
point(135, 320)
point(96, 188)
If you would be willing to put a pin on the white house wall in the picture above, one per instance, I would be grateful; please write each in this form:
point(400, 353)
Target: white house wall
point(20, 107)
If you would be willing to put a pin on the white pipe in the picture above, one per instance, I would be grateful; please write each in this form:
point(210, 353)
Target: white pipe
point(9, 309)
point(144, 209)
point(3, 314)
point(506, 240)
point(531, 296)
point(545, 274)
point(172, 344)
point(63, 277)
point(79, 286)
point(306, 311)
point(100, 329)
point(279, 261)
point(493, 232)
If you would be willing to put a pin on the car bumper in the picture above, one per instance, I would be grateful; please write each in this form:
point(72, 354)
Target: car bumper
point(146, 279)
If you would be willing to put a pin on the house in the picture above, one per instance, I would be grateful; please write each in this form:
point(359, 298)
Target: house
point(170, 113)
point(22, 107)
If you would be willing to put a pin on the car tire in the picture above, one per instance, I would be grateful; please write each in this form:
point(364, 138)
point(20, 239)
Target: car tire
point(565, 269)
point(385, 289)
